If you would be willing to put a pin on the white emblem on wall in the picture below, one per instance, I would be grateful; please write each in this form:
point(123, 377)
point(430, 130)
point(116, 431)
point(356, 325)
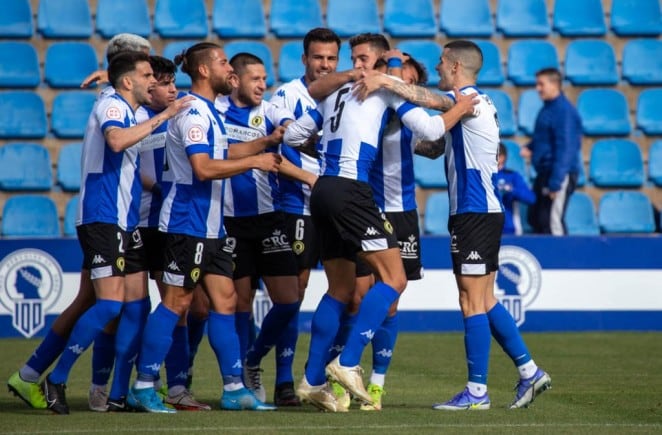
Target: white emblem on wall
point(518, 280)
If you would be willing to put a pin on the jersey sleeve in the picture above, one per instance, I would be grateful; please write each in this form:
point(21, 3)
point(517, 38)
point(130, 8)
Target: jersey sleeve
point(278, 115)
point(422, 125)
point(194, 129)
point(298, 132)
point(110, 112)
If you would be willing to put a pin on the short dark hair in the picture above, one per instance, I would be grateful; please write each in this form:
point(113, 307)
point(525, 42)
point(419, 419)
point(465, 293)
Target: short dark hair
point(194, 56)
point(553, 74)
point(162, 67)
point(319, 34)
point(421, 71)
point(241, 60)
point(122, 63)
point(468, 53)
point(376, 40)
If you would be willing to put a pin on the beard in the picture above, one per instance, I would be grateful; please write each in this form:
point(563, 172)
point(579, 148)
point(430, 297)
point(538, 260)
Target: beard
point(222, 86)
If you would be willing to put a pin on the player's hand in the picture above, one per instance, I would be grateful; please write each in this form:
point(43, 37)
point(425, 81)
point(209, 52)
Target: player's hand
point(177, 105)
point(371, 82)
point(276, 136)
point(99, 76)
point(467, 103)
point(269, 162)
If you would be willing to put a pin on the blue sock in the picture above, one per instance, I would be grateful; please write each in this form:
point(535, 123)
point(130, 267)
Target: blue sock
point(383, 343)
point(196, 330)
point(225, 343)
point(477, 340)
point(87, 328)
point(156, 342)
point(127, 344)
point(273, 327)
point(323, 331)
point(505, 331)
point(347, 322)
point(103, 358)
point(373, 311)
point(285, 349)
point(47, 352)
point(177, 359)
point(243, 327)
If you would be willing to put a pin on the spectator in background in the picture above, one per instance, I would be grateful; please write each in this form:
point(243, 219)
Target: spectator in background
point(553, 150)
point(513, 190)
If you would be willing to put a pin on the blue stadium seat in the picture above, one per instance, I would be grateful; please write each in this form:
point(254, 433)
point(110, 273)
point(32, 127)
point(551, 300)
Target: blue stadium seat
point(603, 112)
point(70, 213)
point(64, 19)
point(626, 212)
point(466, 19)
point(345, 57)
point(429, 173)
point(636, 17)
point(25, 166)
point(491, 74)
point(527, 110)
point(68, 167)
point(649, 111)
point(23, 115)
point(526, 57)
point(294, 18)
point(655, 163)
point(71, 109)
point(590, 62)
point(505, 112)
point(581, 179)
point(616, 163)
point(16, 19)
point(123, 16)
point(257, 48)
point(180, 19)
point(30, 216)
point(580, 216)
point(522, 18)
point(349, 17)
point(514, 161)
point(289, 61)
point(172, 49)
point(426, 52)
point(642, 62)
point(579, 18)
point(19, 65)
point(68, 63)
point(435, 221)
point(409, 19)
point(244, 19)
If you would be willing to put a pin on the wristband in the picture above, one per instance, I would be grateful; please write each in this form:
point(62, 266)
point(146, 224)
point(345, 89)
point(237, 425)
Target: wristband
point(394, 62)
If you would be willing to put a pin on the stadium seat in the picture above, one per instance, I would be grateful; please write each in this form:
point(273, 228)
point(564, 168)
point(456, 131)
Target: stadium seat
point(616, 163)
point(636, 18)
point(649, 111)
point(64, 19)
point(23, 115)
point(244, 19)
point(289, 61)
point(522, 18)
point(68, 167)
point(123, 16)
point(526, 57)
point(180, 19)
point(642, 62)
point(68, 63)
point(435, 221)
point(527, 110)
point(429, 173)
point(16, 19)
point(579, 18)
point(613, 217)
point(30, 216)
point(580, 216)
point(294, 18)
point(603, 112)
point(427, 52)
point(70, 213)
point(514, 161)
point(350, 17)
point(25, 166)
point(590, 62)
point(344, 57)
point(409, 19)
point(655, 163)
point(491, 74)
point(505, 112)
point(257, 48)
point(466, 19)
point(71, 109)
point(19, 65)
point(170, 50)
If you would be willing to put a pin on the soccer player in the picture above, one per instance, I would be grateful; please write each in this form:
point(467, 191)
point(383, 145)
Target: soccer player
point(349, 223)
point(196, 247)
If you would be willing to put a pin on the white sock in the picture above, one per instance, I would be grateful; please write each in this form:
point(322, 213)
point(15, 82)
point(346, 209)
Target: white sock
point(141, 385)
point(476, 389)
point(527, 370)
point(377, 379)
point(233, 386)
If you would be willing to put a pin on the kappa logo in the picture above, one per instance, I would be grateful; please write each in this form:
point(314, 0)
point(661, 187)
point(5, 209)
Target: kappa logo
point(281, 93)
point(371, 231)
point(183, 375)
point(475, 256)
point(287, 352)
point(336, 348)
point(98, 259)
point(193, 111)
point(368, 334)
point(518, 281)
point(154, 367)
point(173, 266)
point(237, 365)
point(385, 353)
point(104, 371)
point(77, 349)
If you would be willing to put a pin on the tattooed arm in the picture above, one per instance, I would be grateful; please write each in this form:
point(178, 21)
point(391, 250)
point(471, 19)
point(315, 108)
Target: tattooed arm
point(431, 149)
point(416, 94)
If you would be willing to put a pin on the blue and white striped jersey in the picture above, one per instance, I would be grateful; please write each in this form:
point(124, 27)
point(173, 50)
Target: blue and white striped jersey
point(253, 192)
point(190, 206)
point(294, 195)
point(472, 148)
point(152, 158)
point(110, 188)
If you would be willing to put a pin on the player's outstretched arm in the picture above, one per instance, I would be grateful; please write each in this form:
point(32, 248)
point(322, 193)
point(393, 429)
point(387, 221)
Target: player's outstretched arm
point(290, 170)
point(301, 131)
point(416, 94)
point(97, 77)
point(206, 168)
point(328, 84)
point(431, 149)
point(465, 105)
point(244, 149)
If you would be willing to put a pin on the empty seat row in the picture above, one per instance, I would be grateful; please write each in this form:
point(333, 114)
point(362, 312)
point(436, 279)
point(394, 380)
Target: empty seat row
point(37, 216)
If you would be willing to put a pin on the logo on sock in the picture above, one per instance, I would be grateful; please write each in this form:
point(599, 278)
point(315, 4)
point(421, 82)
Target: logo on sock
point(385, 353)
point(287, 352)
point(518, 280)
point(77, 349)
point(368, 334)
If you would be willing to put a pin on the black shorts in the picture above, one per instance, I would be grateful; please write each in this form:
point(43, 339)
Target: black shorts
point(475, 242)
point(187, 259)
point(136, 254)
point(262, 247)
point(300, 231)
point(154, 241)
point(104, 248)
point(347, 219)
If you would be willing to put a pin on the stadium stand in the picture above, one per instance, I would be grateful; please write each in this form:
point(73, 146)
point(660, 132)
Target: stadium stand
point(642, 62)
point(638, 219)
point(580, 216)
point(345, 57)
point(616, 163)
point(636, 18)
point(30, 216)
point(25, 166)
point(68, 167)
point(590, 63)
point(289, 61)
point(579, 18)
point(425, 51)
point(68, 63)
point(466, 19)
point(123, 16)
point(527, 110)
point(64, 19)
point(70, 113)
point(244, 19)
point(514, 161)
point(526, 57)
point(435, 221)
point(603, 112)
point(259, 49)
point(655, 163)
point(505, 112)
point(522, 18)
point(180, 19)
point(24, 115)
point(429, 173)
point(70, 212)
point(19, 65)
point(491, 74)
point(409, 19)
point(349, 17)
point(16, 19)
point(649, 111)
point(294, 18)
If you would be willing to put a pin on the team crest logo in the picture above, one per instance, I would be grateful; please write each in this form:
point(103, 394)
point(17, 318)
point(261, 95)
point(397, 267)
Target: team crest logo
point(113, 113)
point(518, 280)
point(256, 121)
point(195, 274)
point(388, 227)
point(120, 263)
point(30, 285)
point(298, 247)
